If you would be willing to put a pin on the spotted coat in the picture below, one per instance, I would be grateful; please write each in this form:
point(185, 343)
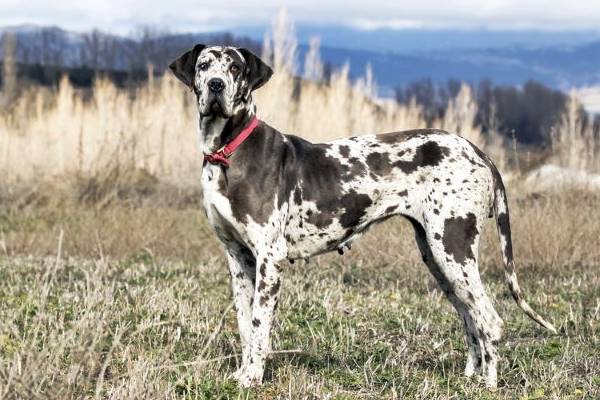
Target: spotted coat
point(283, 197)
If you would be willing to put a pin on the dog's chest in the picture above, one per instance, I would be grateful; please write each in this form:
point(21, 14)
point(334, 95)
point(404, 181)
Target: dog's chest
point(217, 206)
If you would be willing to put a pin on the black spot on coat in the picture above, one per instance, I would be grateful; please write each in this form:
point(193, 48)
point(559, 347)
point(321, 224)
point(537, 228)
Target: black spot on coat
point(275, 288)
point(355, 206)
point(390, 209)
point(297, 196)
point(504, 228)
point(379, 163)
point(344, 151)
point(459, 236)
point(428, 154)
point(355, 170)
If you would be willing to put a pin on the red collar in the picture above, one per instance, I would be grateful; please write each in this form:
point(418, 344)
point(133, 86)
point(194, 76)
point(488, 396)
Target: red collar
point(222, 155)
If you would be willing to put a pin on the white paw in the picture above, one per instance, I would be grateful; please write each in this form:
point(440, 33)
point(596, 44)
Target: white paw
point(491, 385)
point(471, 370)
point(248, 376)
point(491, 381)
point(237, 374)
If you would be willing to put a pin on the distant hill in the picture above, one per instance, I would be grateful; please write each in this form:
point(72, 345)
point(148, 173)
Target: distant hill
point(410, 41)
point(557, 67)
point(53, 46)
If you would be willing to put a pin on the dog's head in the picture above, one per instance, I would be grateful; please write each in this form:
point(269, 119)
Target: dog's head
point(223, 78)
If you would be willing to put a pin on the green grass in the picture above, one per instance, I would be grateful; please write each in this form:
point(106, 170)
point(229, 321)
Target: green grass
point(351, 339)
point(135, 303)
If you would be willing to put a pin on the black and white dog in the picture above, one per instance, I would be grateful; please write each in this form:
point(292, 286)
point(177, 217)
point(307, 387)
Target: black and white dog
point(271, 197)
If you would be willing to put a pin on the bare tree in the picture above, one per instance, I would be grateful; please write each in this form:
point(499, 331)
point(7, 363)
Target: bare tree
point(9, 70)
point(53, 46)
point(153, 47)
point(92, 49)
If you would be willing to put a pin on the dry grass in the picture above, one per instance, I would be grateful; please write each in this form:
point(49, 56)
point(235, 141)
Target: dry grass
point(112, 284)
point(575, 144)
point(50, 134)
point(132, 302)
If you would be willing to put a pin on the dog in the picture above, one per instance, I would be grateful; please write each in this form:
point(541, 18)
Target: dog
point(271, 197)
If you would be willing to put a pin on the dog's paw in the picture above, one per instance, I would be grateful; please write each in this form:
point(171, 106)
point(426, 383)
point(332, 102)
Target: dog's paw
point(248, 377)
point(237, 374)
point(471, 371)
point(491, 383)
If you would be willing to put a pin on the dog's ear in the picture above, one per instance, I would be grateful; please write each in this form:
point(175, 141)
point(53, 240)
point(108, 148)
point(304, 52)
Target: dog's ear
point(257, 71)
point(184, 67)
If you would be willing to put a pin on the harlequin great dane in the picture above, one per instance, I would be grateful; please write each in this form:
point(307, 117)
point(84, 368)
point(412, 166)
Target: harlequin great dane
point(271, 197)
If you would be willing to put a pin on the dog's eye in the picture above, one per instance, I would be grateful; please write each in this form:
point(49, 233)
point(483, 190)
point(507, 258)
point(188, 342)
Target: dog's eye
point(204, 66)
point(234, 69)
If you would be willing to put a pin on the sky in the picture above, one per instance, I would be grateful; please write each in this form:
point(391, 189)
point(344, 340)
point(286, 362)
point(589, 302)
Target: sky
point(123, 16)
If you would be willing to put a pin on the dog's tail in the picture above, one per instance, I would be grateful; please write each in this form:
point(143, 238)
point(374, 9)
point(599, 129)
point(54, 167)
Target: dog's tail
point(503, 224)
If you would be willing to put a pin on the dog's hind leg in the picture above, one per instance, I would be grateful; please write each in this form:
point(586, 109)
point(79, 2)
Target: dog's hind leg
point(242, 268)
point(450, 247)
point(474, 356)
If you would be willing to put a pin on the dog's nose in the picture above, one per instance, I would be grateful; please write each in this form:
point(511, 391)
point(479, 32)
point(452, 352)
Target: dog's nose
point(216, 85)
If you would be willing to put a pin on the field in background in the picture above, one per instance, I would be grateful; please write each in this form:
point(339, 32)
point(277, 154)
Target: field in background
point(112, 284)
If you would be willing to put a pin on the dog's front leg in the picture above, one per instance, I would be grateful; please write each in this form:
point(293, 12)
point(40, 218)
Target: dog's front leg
point(266, 295)
point(242, 268)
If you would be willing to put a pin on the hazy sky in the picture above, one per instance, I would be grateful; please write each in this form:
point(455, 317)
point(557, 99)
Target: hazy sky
point(122, 16)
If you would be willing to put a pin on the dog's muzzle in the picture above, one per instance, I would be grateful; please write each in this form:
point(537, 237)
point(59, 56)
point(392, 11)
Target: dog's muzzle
point(216, 85)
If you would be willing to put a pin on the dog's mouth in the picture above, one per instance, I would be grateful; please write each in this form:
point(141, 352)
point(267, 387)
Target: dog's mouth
point(216, 107)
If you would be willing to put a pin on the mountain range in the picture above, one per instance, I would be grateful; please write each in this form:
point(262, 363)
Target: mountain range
point(558, 67)
point(397, 57)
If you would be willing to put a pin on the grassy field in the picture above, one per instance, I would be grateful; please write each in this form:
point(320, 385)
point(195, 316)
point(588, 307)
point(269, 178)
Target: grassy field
point(112, 284)
point(132, 300)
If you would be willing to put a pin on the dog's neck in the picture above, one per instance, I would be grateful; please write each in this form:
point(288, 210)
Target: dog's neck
point(216, 131)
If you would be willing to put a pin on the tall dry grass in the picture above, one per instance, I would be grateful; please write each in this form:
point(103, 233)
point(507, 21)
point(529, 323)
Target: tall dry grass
point(575, 145)
point(60, 133)
point(64, 132)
